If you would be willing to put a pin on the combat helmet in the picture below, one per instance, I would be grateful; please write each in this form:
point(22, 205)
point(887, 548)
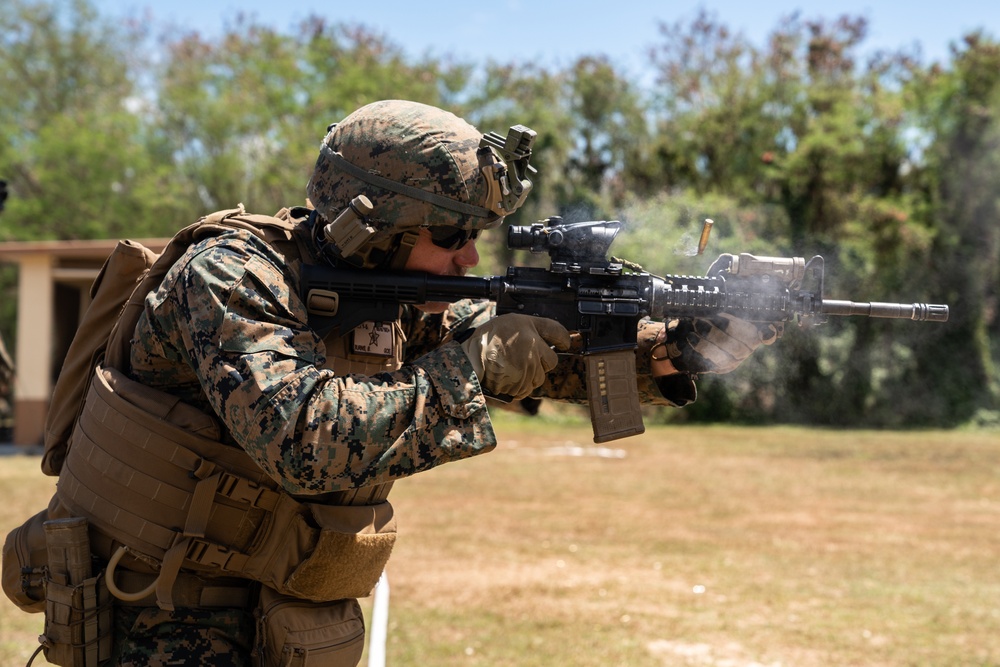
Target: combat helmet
point(394, 167)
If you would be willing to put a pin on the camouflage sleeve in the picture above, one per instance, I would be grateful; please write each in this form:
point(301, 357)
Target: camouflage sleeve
point(230, 314)
point(567, 382)
point(425, 332)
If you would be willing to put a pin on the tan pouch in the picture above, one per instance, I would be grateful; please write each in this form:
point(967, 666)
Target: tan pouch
point(310, 551)
point(297, 633)
point(78, 623)
point(78, 611)
point(353, 547)
point(24, 560)
point(326, 552)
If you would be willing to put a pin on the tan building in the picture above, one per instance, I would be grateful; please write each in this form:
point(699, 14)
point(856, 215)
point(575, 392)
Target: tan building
point(54, 279)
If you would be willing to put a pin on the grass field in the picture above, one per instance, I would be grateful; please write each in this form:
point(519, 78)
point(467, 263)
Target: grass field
point(715, 546)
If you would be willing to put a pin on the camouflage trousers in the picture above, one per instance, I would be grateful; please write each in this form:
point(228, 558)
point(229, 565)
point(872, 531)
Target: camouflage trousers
point(156, 638)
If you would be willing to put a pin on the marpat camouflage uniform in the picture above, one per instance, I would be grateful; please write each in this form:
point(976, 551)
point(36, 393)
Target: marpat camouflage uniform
point(227, 331)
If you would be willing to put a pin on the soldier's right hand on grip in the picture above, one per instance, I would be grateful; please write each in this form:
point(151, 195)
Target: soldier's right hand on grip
point(512, 353)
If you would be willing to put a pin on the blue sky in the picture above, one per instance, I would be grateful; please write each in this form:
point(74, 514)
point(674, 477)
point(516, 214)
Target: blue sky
point(557, 32)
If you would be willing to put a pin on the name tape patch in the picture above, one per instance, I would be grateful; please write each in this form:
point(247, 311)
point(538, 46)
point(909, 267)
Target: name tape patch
point(374, 338)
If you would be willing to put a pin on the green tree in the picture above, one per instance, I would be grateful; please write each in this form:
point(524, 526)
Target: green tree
point(717, 113)
point(808, 127)
point(959, 108)
point(590, 125)
point(610, 132)
point(69, 138)
point(243, 114)
point(506, 94)
point(839, 179)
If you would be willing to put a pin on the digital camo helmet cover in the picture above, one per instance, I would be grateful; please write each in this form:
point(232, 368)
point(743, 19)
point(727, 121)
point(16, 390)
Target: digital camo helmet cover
point(419, 166)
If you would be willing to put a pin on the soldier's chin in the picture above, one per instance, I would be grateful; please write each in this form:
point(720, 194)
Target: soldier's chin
point(433, 307)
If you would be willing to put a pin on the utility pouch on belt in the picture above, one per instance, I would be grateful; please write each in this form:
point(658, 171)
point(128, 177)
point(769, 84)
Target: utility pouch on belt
point(24, 559)
point(296, 633)
point(323, 552)
point(78, 618)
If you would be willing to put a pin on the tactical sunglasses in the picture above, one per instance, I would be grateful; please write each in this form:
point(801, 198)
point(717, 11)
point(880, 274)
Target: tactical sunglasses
point(451, 238)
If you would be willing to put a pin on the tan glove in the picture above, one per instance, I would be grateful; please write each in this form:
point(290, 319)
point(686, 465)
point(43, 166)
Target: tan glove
point(512, 353)
point(717, 344)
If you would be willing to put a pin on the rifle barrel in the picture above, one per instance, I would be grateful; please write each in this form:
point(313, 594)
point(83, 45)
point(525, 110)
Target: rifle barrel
point(920, 312)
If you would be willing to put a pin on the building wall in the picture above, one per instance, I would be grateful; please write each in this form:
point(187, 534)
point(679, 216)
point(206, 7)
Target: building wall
point(54, 280)
point(33, 356)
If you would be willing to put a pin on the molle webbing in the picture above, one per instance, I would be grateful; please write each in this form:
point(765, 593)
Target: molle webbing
point(161, 491)
point(179, 500)
point(156, 483)
point(153, 487)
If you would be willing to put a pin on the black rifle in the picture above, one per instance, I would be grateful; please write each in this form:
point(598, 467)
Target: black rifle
point(600, 299)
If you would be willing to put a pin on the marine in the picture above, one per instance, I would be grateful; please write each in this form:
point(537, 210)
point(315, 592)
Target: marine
point(234, 464)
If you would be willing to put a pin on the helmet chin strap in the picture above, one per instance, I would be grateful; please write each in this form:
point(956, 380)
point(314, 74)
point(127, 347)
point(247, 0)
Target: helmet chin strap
point(403, 249)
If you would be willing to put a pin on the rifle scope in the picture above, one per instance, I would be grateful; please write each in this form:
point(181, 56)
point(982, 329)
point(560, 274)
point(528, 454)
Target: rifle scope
point(576, 242)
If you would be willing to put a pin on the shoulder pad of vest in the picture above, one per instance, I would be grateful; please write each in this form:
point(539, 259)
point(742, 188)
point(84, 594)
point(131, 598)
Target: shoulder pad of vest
point(296, 213)
point(267, 227)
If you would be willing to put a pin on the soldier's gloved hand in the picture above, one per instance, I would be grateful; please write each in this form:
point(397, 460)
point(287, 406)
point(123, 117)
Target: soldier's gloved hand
point(716, 344)
point(512, 353)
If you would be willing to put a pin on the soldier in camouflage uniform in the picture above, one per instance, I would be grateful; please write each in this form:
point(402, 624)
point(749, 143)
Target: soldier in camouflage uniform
point(338, 420)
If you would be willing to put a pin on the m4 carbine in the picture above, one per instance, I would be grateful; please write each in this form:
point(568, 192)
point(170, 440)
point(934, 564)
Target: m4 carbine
point(601, 300)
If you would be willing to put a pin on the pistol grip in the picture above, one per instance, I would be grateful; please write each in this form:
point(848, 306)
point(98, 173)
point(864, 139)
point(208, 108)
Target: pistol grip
point(615, 411)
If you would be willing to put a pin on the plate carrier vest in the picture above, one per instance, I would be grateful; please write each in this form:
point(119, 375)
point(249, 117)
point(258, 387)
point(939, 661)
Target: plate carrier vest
point(161, 492)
